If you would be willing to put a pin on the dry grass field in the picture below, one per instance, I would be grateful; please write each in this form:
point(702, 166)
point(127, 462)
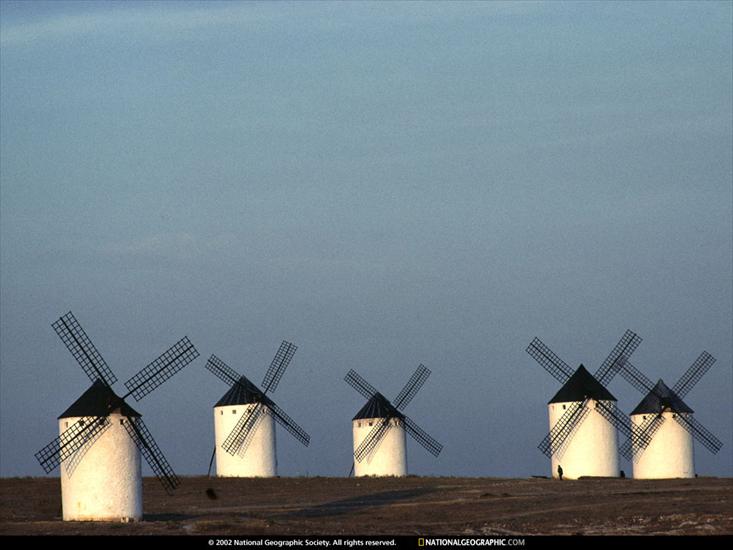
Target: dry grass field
point(409, 506)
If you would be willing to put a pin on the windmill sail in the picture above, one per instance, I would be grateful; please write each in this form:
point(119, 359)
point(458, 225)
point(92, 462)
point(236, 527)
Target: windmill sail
point(81, 347)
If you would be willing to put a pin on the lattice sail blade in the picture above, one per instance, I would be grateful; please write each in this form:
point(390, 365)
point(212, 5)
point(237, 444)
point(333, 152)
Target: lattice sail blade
point(142, 437)
point(549, 361)
point(559, 436)
point(242, 428)
point(81, 347)
point(250, 430)
point(163, 368)
point(413, 386)
point(372, 439)
point(359, 384)
point(422, 437)
point(696, 371)
point(71, 463)
point(632, 449)
point(76, 436)
point(626, 450)
point(621, 421)
point(289, 424)
point(277, 368)
point(618, 356)
point(636, 378)
point(222, 371)
point(699, 432)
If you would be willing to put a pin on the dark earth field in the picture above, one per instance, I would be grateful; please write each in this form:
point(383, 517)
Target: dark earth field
point(395, 506)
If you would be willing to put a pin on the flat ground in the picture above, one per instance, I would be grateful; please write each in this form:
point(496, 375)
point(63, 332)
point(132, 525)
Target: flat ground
point(408, 506)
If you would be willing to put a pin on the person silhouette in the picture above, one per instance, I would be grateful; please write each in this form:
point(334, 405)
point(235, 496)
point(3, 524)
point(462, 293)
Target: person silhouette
point(559, 472)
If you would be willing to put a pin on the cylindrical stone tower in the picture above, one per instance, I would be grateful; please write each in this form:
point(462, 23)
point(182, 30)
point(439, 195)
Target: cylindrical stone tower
point(670, 451)
point(591, 448)
point(102, 481)
point(259, 456)
point(389, 456)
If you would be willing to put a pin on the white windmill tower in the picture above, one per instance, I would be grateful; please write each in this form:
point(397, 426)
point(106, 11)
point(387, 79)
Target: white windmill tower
point(101, 436)
point(244, 420)
point(379, 428)
point(583, 415)
point(667, 423)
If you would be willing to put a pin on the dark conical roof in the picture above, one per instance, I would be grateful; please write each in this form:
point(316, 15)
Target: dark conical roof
point(581, 385)
point(378, 407)
point(659, 398)
point(243, 392)
point(99, 400)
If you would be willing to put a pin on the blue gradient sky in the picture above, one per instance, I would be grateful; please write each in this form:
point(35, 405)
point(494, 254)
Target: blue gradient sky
point(382, 184)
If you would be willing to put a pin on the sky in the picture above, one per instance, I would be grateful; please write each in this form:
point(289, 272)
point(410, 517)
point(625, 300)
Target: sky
point(383, 184)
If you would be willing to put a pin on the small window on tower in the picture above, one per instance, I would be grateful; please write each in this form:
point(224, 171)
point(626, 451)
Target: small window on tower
point(643, 417)
point(370, 422)
point(66, 424)
point(234, 411)
point(221, 412)
point(563, 407)
point(122, 421)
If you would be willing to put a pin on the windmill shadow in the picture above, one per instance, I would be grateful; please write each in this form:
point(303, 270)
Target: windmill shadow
point(357, 503)
point(167, 517)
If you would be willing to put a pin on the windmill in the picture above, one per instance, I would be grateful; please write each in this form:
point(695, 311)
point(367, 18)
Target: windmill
point(244, 420)
point(666, 423)
point(583, 415)
point(101, 436)
point(379, 428)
